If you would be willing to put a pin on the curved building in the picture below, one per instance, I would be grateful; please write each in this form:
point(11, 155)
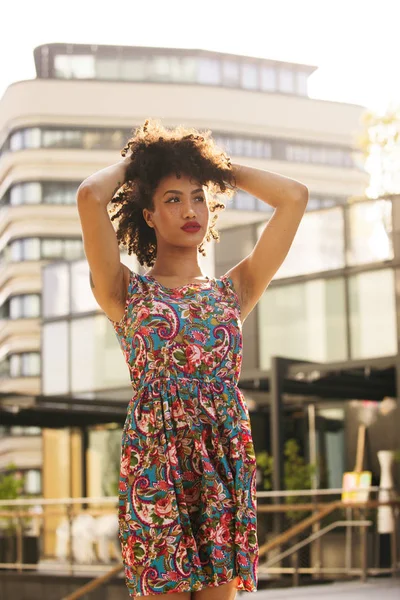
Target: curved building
point(77, 114)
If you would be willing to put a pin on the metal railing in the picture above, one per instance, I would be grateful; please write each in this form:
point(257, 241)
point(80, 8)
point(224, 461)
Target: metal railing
point(317, 506)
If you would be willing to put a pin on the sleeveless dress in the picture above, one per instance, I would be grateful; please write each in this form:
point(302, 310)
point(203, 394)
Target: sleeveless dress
point(187, 488)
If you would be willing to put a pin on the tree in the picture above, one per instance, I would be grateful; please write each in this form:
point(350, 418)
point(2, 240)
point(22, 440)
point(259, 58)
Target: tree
point(11, 484)
point(297, 475)
point(11, 487)
point(380, 144)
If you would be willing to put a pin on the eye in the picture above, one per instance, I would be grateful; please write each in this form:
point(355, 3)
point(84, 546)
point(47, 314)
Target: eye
point(200, 198)
point(173, 198)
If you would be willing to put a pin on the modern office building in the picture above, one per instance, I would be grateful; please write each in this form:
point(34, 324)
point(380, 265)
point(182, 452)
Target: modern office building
point(73, 119)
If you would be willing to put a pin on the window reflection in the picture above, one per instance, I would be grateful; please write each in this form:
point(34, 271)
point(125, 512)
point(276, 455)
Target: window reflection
point(373, 330)
point(25, 306)
point(317, 246)
point(26, 364)
point(208, 71)
point(74, 67)
point(268, 78)
point(250, 76)
point(304, 320)
point(286, 80)
point(230, 73)
point(42, 249)
point(239, 145)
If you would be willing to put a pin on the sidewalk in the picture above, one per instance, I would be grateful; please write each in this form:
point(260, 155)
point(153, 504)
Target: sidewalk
point(386, 589)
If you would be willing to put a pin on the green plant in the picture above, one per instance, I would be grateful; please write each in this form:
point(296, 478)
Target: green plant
point(11, 487)
point(11, 483)
point(297, 475)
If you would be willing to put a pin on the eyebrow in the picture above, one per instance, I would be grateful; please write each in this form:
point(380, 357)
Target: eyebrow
point(179, 192)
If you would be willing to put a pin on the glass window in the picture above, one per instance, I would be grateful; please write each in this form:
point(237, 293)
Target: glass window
point(96, 358)
point(305, 321)
point(302, 83)
point(30, 365)
point(73, 249)
point(258, 148)
point(107, 68)
point(370, 232)
point(15, 365)
point(82, 298)
point(33, 482)
point(332, 444)
point(318, 155)
point(267, 149)
point(133, 69)
point(54, 138)
point(237, 145)
point(55, 350)
point(230, 73)
point(15, 307)
point(16, 141)
point(373, 314)
point(159, 68)
point(52, 248)
point(250, 76)
point(31, 305)
point(74, 67)
point(25, 306)
point(298, 153)
point(268, 78)
point(32, 193)
point(334, 157)
point(32, 137)
point(92, 140)
point(16, 250)
point(182, 69)
point(55, 290)
point(16, 194)
point(25, 193)
point(208, 71)
point(286, 80)
point(59, 193)
point(72, 139)
point(317, 246)
point(31, 249)
point(5, 369)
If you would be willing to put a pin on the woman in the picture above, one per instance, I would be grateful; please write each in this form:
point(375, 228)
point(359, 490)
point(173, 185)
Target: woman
point(187, 518)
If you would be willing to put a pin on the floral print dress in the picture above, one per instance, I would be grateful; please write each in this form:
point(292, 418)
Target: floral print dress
point(187, 491)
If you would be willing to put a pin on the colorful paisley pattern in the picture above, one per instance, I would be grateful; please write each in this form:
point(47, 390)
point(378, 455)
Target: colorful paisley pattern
point(187, 492)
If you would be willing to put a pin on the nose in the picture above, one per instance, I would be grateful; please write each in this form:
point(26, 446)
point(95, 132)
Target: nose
point(189, 211)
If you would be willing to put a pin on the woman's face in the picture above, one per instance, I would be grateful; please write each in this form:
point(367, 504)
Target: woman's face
point(177, 201)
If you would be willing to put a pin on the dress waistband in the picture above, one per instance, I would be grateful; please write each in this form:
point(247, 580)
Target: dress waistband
point(205, 380)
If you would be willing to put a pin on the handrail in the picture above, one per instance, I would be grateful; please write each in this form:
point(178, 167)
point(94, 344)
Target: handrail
point(314, 536)
point(284, 537)
point(114, 499)
point(94, 583)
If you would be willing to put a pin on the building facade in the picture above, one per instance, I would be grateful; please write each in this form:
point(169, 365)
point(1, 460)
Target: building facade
point(76, 116)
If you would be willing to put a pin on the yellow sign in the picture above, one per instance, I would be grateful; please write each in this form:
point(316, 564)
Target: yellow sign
point(356, 486)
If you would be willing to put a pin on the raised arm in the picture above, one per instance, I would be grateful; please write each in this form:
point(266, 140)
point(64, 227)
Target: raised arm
point(109, 278)
point(289, 197)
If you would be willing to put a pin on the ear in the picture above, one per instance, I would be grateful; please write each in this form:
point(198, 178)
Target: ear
point(147, 217)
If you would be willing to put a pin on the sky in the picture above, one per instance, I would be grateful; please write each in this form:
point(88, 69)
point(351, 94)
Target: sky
point(354, 43)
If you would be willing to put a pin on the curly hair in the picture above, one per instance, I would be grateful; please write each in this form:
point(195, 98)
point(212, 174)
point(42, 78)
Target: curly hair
point(155, 153)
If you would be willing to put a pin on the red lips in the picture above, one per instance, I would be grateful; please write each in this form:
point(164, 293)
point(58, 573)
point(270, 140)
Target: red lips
point(191, 225)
